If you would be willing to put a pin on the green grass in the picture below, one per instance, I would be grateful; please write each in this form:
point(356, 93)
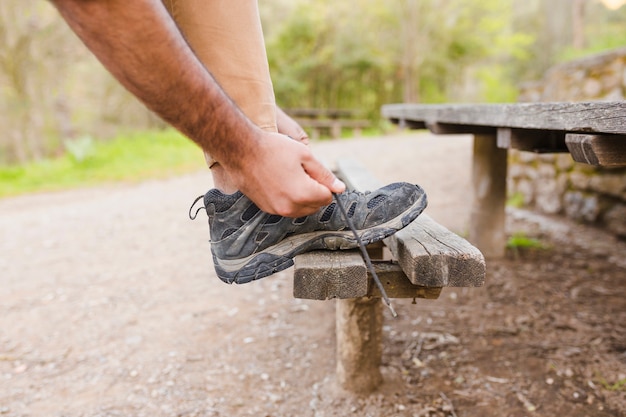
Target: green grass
point(516, 200)
point(131, 157)
point(617, 386)
point(519, 243)
point(519, 240)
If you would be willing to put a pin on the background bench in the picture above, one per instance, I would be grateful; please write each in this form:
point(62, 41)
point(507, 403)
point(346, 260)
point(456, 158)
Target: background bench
point(593, 133)
point(330, 121)
point(414, 263)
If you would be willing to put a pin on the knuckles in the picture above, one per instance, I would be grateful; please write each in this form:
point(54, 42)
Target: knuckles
point(299, 205)
point(292, 210)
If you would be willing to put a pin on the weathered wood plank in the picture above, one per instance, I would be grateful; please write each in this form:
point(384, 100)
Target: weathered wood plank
point(359, 330)
point(376, 250)
point(489, 170)
point(329, 123)
point(409, 124)
point(323, 275)
point(455, 129)
point(397, 284)
point(433, 256)
point(539, 141)
point(334, 126)
point(590, 117)
point(598, 150)
point(322, 113)
point(429, 254)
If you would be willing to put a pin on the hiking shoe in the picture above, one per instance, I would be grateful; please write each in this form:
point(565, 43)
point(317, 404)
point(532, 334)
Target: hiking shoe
point(248, 244)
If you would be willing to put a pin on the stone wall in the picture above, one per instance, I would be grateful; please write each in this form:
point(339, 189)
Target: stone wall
point(554, 183)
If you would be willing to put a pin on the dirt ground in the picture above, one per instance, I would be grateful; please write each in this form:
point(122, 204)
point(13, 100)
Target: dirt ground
point(109, 307)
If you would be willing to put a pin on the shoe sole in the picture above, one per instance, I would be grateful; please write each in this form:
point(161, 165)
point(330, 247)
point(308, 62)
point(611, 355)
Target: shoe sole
point(280, 256)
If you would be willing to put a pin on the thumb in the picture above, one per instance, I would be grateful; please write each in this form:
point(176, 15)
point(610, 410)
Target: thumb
point(324, 176)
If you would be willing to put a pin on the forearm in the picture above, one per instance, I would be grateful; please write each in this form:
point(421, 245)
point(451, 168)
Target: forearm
point(140, 45)
point(138, 42)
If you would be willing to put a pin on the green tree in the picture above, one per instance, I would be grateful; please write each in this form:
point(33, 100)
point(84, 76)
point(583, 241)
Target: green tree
point(365, 53)
point(52, 88)
point(28, 37)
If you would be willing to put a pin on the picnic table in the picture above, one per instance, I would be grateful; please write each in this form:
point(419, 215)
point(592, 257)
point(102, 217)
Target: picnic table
point(593, 133)
point(332, 121)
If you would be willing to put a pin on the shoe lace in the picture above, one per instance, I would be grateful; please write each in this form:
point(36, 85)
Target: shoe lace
point(366, 256)
point(194, 215)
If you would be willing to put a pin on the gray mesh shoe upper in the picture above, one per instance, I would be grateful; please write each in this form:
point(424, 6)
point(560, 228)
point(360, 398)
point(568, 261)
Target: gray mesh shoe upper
point(248, 243)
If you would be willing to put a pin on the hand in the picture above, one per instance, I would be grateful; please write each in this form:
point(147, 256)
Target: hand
point(288, 126)
point(283, 177)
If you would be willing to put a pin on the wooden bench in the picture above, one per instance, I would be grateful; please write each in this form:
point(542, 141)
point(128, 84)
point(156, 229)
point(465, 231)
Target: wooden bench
point(421, 259)
point(331, 121)
point(593, 133)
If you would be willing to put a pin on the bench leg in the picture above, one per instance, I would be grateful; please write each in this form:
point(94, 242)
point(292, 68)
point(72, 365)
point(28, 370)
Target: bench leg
point(359, 344)
point(489, 183)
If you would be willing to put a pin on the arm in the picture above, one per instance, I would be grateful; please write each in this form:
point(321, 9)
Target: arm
point(138, 42)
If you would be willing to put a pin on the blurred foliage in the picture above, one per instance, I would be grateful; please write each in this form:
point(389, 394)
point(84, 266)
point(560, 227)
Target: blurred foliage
point(609, 33)
point(365, 53)
point(519, 240)
point(357, 54)
point(516, 200)
point(52, 89)
point(127, 157)
point(80, 149)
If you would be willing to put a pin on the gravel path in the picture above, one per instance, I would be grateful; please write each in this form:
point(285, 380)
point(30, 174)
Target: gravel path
point(109, 306)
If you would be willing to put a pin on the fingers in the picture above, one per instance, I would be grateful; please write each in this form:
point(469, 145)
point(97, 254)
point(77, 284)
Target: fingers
point(300, 135)
point(323, 176)
point(288, 126)
point(283, 177)
point(309, 197)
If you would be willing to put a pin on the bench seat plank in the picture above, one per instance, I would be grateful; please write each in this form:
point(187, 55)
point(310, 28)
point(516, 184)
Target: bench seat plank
point(429, 254)
point(596, 130)
point(433, 256)
point(589, 117)
point(324, 275)
point(597, 150)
